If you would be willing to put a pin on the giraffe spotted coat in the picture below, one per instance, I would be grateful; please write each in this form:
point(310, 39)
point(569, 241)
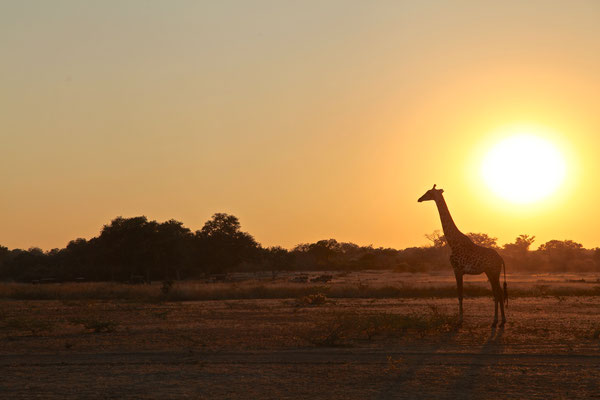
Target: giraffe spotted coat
point(472, 259)
point(469, 258)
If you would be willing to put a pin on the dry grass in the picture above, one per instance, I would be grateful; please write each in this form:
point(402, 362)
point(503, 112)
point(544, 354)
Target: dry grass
point(270, 349)
point(96, 325)
point(344, 328)
point(26, 324)
point(195, 291)
point(79, 291)
point(312, 300)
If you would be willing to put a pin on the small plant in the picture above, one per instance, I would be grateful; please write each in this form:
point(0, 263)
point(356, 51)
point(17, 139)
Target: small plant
point(376, 324)
point(595, 332)
point(161, 314)
point(97, 325)
point(541, 290)
point(312, 300)
point(394, 365)
point(31, 325)
point(333, 332)
point(166, 286)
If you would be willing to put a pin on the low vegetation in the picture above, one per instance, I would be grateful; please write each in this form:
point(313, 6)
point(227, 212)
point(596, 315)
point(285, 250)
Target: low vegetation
point(26, 324)
point(138, 250)
point(312, 300)
point(305, 294)
point(96, 325)
point(345, 328)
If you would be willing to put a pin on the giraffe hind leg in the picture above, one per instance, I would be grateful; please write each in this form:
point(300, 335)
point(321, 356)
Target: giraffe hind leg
point(501, 301)
point(495, 283)
point(495, 311)
point(498, 300)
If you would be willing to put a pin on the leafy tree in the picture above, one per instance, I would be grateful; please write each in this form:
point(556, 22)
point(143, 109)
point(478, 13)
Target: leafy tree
point(26, 265)
point(171, 249)
point(560, 254)
point(520, 247)
point(483, 239)
point(278, 258)
point(136, 246)
point(221, 245)
point(126, 247)
point(76, 260)
point(521, 244)
point(517, 254)
point(4, 257)
point(437, 239)
point(560, 246)
point(324, 251)
point(222, 225)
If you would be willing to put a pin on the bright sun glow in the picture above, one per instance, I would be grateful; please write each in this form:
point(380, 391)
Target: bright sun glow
point(523, 168)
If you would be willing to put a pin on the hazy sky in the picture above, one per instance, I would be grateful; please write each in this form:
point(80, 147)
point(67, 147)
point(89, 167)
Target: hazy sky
point(307, 120)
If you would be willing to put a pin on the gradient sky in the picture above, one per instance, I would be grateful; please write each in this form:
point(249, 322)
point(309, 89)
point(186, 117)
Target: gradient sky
point(307, 120)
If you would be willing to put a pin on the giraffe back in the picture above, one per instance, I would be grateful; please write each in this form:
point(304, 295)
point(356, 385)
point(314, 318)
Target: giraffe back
point(473, 260)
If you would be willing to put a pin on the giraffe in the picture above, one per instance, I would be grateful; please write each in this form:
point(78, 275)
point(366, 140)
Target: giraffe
point(469, 258)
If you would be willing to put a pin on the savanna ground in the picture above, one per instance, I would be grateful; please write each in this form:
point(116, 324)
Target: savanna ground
point(367, 335)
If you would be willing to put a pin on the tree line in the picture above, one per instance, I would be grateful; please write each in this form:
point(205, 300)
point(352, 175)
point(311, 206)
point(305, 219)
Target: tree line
point(135, 248)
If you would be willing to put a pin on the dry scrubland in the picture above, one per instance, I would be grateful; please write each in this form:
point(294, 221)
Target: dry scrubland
point(363, 335)
point(365, 284)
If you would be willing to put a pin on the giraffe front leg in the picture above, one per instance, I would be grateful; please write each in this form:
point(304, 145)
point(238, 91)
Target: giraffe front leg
point(459, 289)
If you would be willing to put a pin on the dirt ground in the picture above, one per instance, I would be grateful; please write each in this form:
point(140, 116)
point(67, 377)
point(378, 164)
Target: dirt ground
point(273, 349)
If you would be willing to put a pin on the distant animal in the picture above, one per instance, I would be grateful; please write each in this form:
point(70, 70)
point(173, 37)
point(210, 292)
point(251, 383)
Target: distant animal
point(469, 258)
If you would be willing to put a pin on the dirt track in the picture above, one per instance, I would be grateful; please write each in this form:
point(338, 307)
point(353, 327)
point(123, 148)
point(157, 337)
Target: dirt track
point(343, 374)
point(254, 349)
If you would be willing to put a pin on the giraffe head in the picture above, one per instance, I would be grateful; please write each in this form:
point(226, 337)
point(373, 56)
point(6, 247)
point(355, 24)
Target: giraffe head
point(431, 194)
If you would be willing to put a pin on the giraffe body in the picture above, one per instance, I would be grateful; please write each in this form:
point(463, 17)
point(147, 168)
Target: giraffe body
point(474, 260)
point(467, 258)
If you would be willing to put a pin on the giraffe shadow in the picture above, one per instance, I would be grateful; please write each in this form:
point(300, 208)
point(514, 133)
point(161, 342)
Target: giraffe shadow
point(466, 383)
point(414, 368)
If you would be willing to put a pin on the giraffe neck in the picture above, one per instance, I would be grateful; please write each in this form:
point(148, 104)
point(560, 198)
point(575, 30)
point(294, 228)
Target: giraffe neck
point(451, 232)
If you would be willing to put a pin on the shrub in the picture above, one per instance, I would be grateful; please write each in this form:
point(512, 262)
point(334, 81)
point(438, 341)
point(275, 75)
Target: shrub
point(96, 325)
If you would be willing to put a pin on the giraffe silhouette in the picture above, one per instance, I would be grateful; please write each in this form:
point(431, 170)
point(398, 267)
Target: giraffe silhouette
point(469, 258)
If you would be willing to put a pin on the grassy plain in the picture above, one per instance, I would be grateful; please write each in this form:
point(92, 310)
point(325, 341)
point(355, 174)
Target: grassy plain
point(363, 284)
point(257, 337)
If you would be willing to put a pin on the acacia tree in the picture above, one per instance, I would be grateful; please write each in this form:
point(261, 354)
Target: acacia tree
point(483, 239)
point(437, 239)
point(521, 245)
point(517, 254)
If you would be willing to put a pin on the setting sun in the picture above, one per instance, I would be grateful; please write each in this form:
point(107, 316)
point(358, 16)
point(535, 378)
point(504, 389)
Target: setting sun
point(524, 168)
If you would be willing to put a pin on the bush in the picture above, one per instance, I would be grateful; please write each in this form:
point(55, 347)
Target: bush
point(96, 325)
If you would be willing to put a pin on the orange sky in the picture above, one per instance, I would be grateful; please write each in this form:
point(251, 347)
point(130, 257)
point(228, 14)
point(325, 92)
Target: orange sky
point(307, 120)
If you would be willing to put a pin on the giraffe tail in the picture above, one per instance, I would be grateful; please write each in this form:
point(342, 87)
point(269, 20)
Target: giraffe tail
point(505, 286)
